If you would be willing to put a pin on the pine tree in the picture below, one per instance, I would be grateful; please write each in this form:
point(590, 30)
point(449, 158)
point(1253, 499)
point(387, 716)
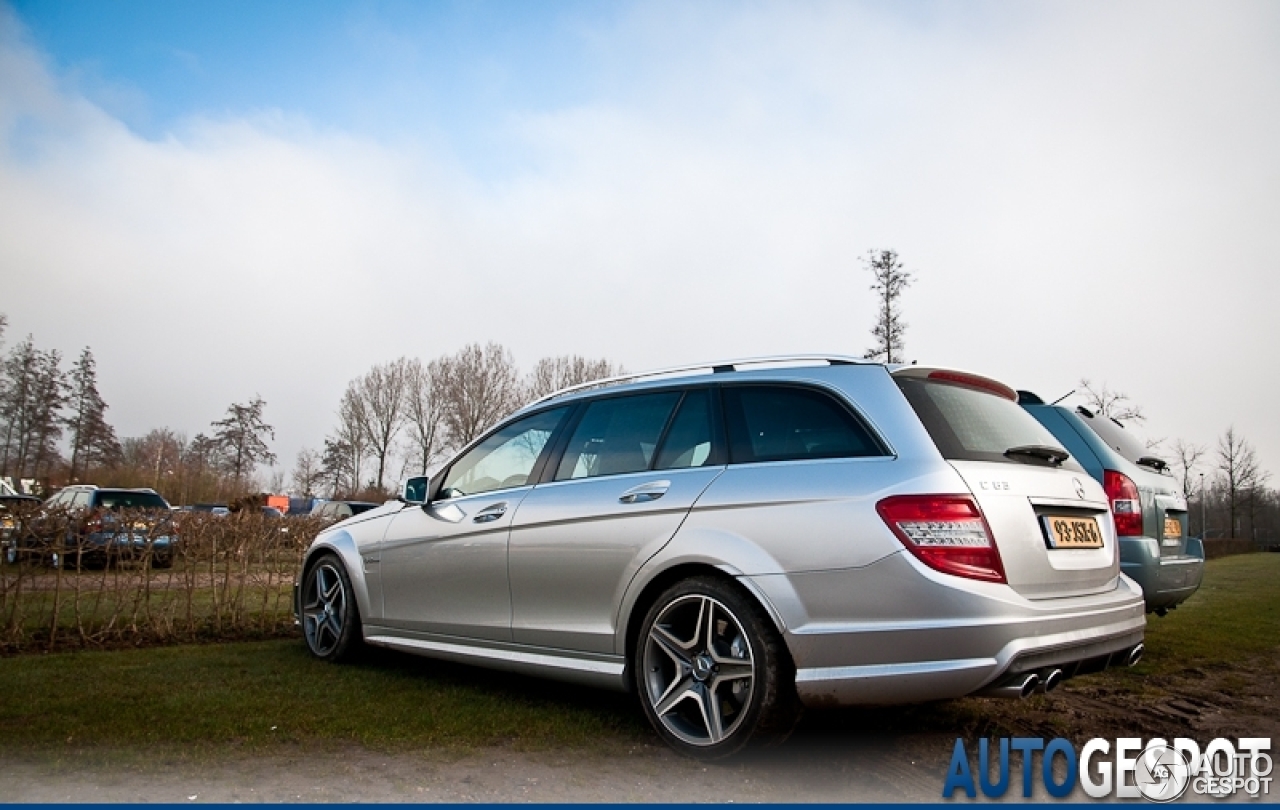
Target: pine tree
point(241, 438)
point(890, 281)
point(93, 441)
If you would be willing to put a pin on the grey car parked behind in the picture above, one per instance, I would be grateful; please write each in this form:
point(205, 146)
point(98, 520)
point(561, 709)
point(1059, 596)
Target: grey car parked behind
point(1150, 512)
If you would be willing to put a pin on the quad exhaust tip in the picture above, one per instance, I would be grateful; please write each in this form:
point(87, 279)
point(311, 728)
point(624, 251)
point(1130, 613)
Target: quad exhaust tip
point(1052, 681)
point(1135, 655)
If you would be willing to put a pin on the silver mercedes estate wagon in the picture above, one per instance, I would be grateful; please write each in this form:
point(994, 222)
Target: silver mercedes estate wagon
point(737, 540)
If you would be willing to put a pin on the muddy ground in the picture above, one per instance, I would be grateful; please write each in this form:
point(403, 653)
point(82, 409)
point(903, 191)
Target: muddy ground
point(885, 755)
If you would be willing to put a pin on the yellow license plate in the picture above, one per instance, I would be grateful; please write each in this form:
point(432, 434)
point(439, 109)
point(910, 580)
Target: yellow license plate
point(1073, 532)
point(1172, 528)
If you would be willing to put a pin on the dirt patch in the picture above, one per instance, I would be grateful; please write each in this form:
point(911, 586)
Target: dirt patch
point(1240, 699)
point(893, 754)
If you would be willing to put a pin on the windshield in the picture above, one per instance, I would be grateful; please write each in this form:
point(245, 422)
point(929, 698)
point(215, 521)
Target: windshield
point(130, 500)
point(973, 425)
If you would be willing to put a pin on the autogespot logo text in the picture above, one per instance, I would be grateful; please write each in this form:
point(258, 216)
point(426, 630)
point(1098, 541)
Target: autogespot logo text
point(1127, 768)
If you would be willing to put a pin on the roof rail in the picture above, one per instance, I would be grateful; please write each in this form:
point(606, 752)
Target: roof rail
point(717, 367)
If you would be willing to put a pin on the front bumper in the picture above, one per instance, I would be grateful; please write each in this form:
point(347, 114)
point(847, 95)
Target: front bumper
point(895, 632)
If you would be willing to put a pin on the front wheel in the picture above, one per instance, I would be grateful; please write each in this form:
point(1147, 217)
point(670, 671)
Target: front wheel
point(712, 672)
point(330, 618)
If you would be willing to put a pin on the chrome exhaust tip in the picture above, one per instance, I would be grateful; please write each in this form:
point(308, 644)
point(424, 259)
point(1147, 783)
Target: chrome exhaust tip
point(1135, 655)
point(1052, 681)
point(1015, 688)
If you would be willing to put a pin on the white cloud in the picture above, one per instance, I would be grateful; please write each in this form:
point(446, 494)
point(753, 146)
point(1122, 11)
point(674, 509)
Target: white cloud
point(1082, 191)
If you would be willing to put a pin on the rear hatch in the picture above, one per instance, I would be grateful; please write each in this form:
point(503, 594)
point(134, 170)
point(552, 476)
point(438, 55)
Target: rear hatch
point(1164, 510)
point(1050, 521)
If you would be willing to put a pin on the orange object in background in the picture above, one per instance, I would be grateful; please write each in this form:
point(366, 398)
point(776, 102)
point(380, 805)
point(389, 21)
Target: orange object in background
point(280, 502)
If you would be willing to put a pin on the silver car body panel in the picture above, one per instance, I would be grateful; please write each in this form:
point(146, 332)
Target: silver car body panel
point(552, 585)
point(576, 545)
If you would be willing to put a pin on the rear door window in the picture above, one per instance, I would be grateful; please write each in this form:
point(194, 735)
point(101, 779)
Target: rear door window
point(786, 423)
point(617, 435)
point(968, 424)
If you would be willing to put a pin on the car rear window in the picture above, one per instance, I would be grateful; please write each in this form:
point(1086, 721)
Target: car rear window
point(130, 500)
point(1114, 434)
point(788, 423)
point(970, 424)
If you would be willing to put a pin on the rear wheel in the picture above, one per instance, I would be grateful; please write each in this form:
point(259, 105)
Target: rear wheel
point(330, 618)
point(712, 672)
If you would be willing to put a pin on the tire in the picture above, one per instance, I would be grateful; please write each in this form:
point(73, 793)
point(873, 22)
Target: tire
point(330, 616)
point(711, 671)
point(162, 560)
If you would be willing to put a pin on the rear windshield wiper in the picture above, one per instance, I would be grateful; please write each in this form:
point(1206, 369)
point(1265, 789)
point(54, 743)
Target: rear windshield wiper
point(1054, 455)
point(1157, 464)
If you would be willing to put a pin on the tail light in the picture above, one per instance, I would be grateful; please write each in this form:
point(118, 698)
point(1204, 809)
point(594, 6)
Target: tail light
point(945, 532)
point(1126, 507)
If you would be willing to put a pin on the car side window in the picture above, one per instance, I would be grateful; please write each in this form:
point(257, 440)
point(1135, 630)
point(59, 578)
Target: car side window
point(617, 435)
point(81, 498)
point(504, 459)
point(784, 423)
point(688, 440)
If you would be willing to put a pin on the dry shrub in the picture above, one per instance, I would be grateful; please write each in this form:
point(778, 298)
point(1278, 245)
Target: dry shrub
point(223, 578)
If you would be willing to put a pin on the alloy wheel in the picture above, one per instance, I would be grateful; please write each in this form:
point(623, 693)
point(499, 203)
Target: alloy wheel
point(324, 608)
point(699, 670)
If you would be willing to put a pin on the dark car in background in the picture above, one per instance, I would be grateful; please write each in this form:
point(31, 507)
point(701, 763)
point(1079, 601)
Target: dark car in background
point(1149, 510)
point(341, 510)
point(15, 515)
point(86, 524)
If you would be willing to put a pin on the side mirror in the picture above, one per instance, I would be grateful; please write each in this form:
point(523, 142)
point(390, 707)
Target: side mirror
point(415, 490)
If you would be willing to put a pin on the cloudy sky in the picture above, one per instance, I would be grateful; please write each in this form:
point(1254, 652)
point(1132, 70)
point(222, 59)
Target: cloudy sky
point(231, 198)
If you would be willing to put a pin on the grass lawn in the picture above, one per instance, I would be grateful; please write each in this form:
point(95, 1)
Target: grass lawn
point(1235, 616)
point(269, 694)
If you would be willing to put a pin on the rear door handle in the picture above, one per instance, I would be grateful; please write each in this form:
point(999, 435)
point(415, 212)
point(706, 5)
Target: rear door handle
point(490, 513)
point(651, 491)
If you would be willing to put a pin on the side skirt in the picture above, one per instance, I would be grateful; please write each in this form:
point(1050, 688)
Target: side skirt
point(604, 672)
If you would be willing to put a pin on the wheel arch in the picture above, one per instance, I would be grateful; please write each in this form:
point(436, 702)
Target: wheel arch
point(342, 545)
point(646, 594)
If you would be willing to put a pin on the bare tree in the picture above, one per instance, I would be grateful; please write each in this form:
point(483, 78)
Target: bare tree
point(480, 385)
point(93, 441)
point(553, 373)
point(1186, 459)
point(352, 435)
point(382, 394)
point(1112, 404)
point(890, 280)
point(241, 438)
point(308, 472)
point(1239, 474)
point(424, 395)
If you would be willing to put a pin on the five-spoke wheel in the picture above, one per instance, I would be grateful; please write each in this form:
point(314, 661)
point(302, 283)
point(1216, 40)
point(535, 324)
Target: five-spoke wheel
point(330, 619)
point(711, 670)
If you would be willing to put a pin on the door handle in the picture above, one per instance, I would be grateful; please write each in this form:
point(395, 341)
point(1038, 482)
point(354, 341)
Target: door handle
point(490, 513)
point(651, 491)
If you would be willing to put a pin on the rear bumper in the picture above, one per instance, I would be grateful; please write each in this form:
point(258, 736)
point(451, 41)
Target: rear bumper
point(911, 635)
point(1166, 581)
